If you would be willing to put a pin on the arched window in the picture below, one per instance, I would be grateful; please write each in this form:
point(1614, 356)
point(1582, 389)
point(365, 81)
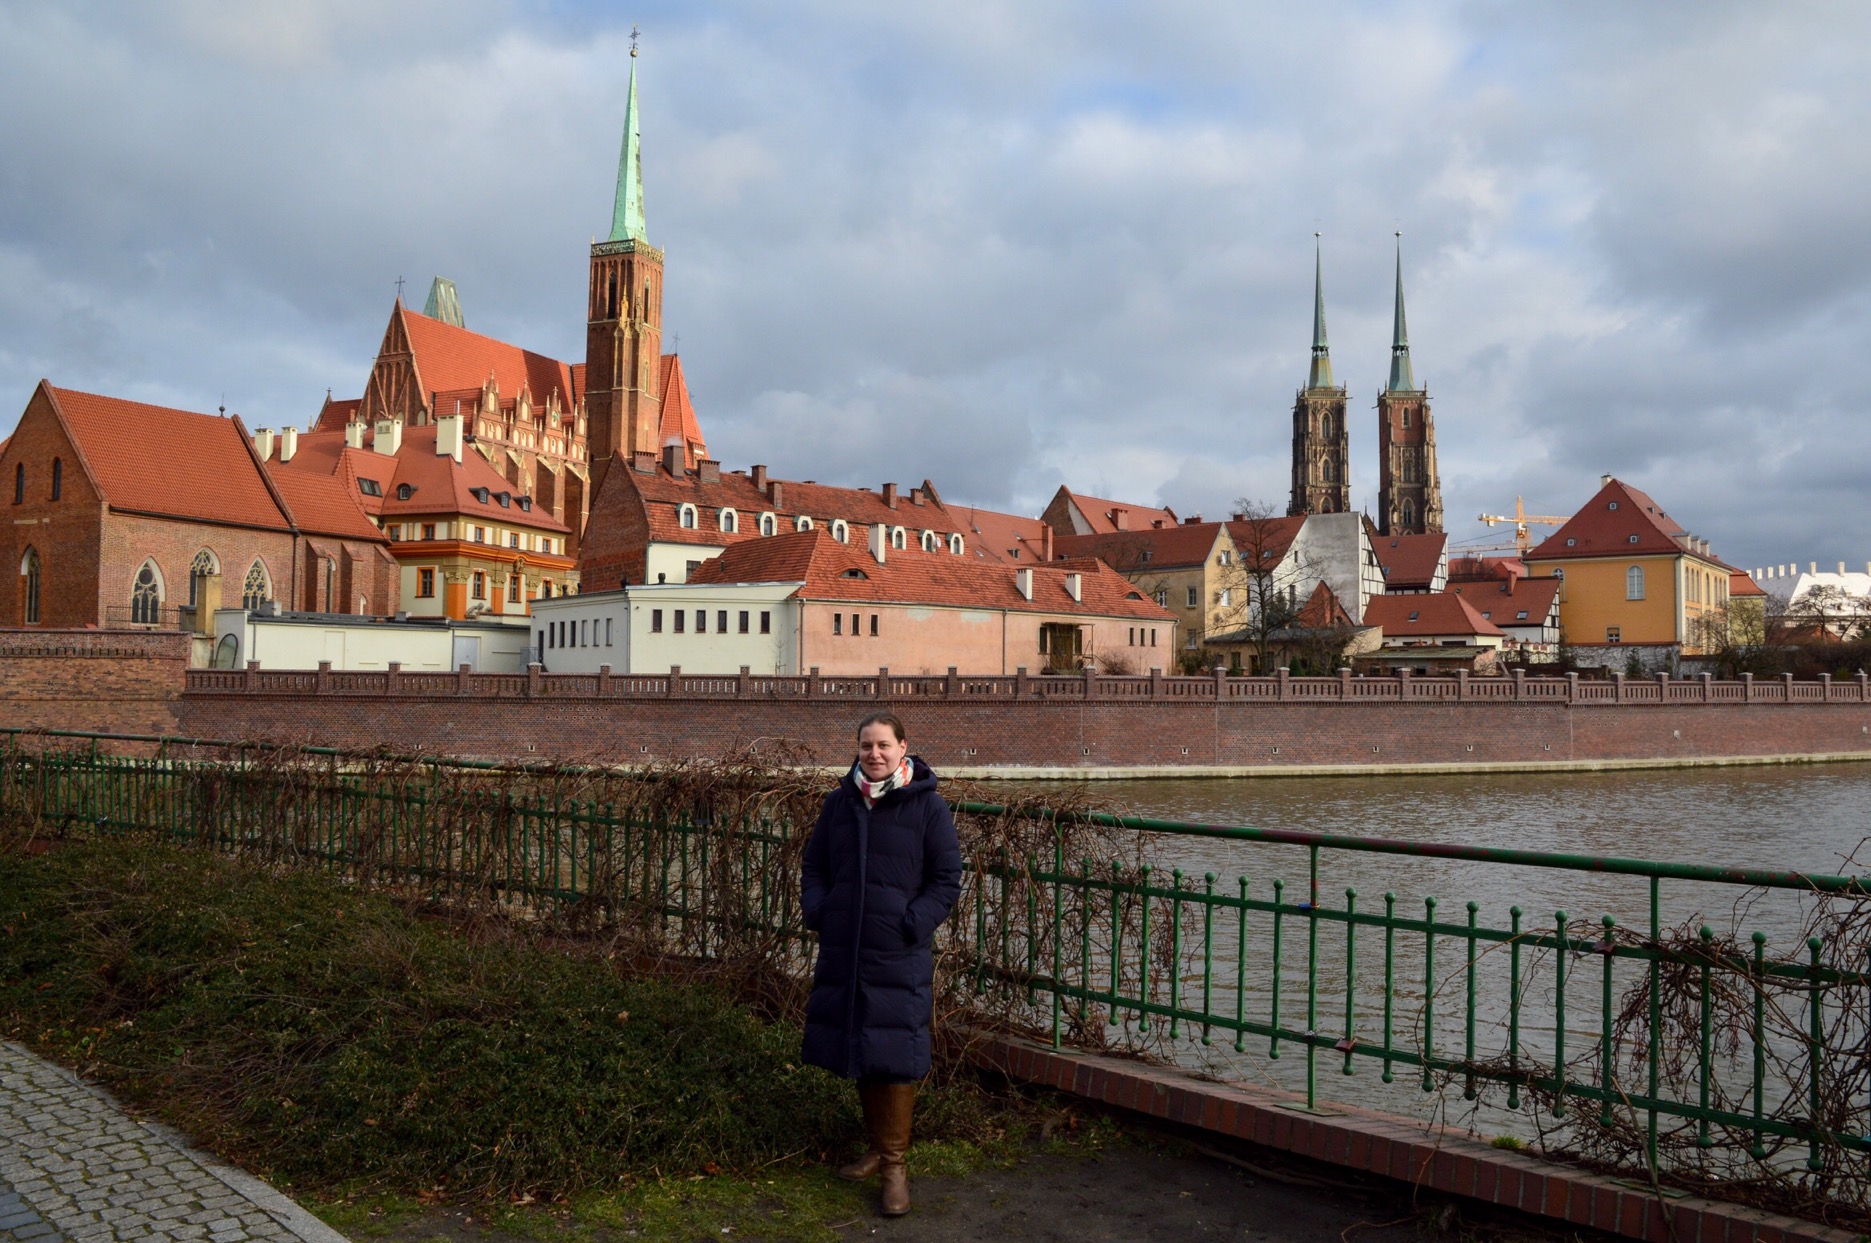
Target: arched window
point(19, 483)
point(802, 523)
point(29, 575)
point(146, 596)
point(730, 522)
point(258, 587)
point(58, 478)
point(955, 543)
point(768, 524)
point(1634, 583)
point(331, 583)
point(930, 541)
point(1409, 514)
point(899, 538)
point(685, 516)
point(841, 530)
point(1325, 426)
point(204, 563)
point(1325, 470)
point(1325, 506)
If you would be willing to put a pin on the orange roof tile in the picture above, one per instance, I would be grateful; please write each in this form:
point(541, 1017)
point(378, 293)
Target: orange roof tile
point(1740, 582)
point(663, 496)
point(1269, 538)
point(1322, 611)
point(830, 570)
point(1131, 552)
point(1409, 560)
point(1478, 569)
point(678, 424)
point(1427, 616)
point(994, 536)
point(1502, 600)
point(450, 358)
point(1619, 521)
point(1105, 516)
point(156, 460)
point(325, 505)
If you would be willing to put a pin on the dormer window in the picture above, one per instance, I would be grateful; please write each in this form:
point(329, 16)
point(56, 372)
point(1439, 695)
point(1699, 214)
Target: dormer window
point(404, 491)
point(369, 487)
point(841, 531)
point(526, 504)
point(728, 521)
point(899, 538)
point(503, 499)
point(685, 516)
point(1570, 542)
point(955, 544)
point(479, 494)
point(1413, 616)
point(1611, 505)
point(802, 523)
point(929, 541)
point(769, 524)
point(854, 573)
point(1633, 539)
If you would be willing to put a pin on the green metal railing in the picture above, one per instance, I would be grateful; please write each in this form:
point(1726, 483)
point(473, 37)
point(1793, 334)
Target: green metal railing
point(1681, 1037)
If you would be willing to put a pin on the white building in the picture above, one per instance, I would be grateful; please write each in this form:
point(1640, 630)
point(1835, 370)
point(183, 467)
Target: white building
point(351, 642)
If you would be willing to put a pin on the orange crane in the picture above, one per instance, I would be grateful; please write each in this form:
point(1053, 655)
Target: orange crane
point(1520, 518)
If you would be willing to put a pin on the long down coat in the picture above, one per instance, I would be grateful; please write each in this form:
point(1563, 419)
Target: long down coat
point(876, 883)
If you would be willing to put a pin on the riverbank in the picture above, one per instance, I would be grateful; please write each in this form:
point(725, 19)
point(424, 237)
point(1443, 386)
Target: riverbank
point(966, 772)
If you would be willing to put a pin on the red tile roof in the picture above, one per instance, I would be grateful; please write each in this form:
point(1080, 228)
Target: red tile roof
point(450, 358)
point(325, 505)
point(663, 496)
point(1410, 561)
point(1477, 569)
point(1105, 516)
point(1619, 521)
point(1156, 548)
point(1267, 538)
point(678, 423)
point(155, 460)
point(1740, 582)
point(830, 570)
point(1501, 601)
point(1427, 617)
point(1322, 611)
point(994, 536)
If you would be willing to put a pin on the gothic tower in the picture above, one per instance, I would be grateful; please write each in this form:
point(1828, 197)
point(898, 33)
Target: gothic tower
point(624, 332)
point(1409, 491)
point(1321, 446)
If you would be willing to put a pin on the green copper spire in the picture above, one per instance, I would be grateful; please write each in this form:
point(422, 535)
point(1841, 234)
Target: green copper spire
point(627, 212)
point(1321, 374)
point(444, 303)
point(1401, 378)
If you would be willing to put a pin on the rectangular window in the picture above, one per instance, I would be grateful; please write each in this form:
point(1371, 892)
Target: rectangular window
point(721, 621)
point(690, 567)
point(701, 621)
point(1614, 634)
point(743, 621)
point(838, 623)
point(681, 616)
point(1223, 597)
point(428, 530)
point(425, 583)
point(607, 632)
point(1162, 596)
point(1132, 641)
point(766, 622)
point(513, 539)
point(1153, 636)
point(394, 531)
point(369, 487)
point(656, 621)
point(513, 589)
point(854, 625)
point(1189, 601)
point(584, 633)
point(480, 585)
point(873, 625)
point(479, 535)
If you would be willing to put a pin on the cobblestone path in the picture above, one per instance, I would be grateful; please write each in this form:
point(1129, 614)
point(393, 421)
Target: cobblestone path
point(74, 1168)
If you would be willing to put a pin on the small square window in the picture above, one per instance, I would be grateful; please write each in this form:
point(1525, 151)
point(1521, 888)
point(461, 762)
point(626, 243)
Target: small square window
point(428, 530)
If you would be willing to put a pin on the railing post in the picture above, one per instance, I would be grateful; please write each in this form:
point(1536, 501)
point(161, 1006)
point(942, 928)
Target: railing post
point(1461, 684)
point(1572, 688)
point(1403, 682)
point(393, 678)
point(1747, 688)
point(675, 680)
point(1863, 680)
point(1156, 681)
point(1344, 683)
point(812, 683)
point(463, 672)
point(324, 677)
point(1520, 683)
point(604, 681)
point(952, 686)
point(533, 670)
point(1617, 688)
point(1786, 688)
point(1825, 687)
point(742, 682)
point(250, 679)
point(1708, 686)
point(1280, 677)
point(1663, 686)
point(883, 684)
point(1085, 692)
point(1020, 683)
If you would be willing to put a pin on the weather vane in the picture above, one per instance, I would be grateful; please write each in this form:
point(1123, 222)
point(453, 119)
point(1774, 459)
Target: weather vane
point(633, 40)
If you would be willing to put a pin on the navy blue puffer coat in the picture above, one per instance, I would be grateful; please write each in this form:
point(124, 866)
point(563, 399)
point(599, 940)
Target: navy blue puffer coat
point(876, 883)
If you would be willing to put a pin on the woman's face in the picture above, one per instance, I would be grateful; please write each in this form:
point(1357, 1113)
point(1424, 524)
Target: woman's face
point(879, 751)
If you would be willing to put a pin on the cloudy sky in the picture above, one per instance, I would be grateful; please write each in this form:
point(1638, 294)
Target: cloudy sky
point(1003, 246)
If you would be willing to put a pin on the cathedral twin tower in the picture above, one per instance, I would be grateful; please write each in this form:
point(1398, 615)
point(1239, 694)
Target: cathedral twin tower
point(1409, 495)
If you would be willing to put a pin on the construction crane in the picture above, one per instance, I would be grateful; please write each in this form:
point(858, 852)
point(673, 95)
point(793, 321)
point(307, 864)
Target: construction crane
point(1523, 540)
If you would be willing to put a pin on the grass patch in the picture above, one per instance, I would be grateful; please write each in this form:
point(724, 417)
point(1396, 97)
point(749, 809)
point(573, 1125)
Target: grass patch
point(337, 1041)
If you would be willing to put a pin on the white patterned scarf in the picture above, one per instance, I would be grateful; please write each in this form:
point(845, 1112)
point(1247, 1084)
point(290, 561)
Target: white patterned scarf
point(874, 790)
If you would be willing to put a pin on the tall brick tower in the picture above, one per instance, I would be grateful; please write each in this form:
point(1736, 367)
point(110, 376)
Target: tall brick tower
point(624, 332)
point(1409, 490)
point(1321, 445)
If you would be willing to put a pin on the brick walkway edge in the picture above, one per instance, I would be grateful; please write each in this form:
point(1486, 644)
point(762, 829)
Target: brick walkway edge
point(1399, 1148)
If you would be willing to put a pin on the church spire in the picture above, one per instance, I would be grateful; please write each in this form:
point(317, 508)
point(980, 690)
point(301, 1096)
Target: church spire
point(627, 211)
point(1321, 374)
point(1402, 380)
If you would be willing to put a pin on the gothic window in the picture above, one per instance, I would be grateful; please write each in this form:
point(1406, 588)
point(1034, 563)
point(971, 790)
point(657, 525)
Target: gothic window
point(1634, 583)
point(1325, 470)
point(146, 596)
point(331, 580)
point(802, 523)
point(1406, 417)
point(19, 483)
point(1409, 514)
point(685, 517)
point(768, 524)
point(929, 541)
point(254, 592)
point(1325, 426)
point(203, 563)
point(29, 571)
point(58, 478)
point(1325, 505)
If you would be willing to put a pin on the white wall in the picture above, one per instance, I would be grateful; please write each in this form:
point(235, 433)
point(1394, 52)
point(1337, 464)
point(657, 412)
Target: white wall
point(301, 642)
point(616, 628)
point(582, 633)
point(1336, 548)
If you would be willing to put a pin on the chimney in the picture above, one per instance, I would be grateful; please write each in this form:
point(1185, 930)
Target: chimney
point(1192, 520)
point(1604, 481)
point(918, 496)
point(1841, 569)
point(448, 436)
point(1117, 518)
point(890, 495)
point(759, 478)
point(775, 494)
point(354, 435)
point(288, 443)
point(263, 443)
point(1023, 581)
point(674, 459)
point(708, 470)
point(880, 541)
point(1074, 587)
point(643, 462)
point(1156, 523)
point(388, 438)
point(1812, 567)
point(1237, 517)
point(1045, 541)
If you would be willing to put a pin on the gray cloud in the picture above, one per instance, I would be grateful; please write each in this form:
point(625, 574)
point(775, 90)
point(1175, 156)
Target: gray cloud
point(1001, 246)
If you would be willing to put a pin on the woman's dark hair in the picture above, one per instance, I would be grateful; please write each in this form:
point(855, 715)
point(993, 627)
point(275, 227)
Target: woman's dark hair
point(884, 718)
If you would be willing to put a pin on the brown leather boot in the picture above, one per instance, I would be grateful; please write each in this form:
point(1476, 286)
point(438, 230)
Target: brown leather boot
point(896, 1101)
point(866, 1165)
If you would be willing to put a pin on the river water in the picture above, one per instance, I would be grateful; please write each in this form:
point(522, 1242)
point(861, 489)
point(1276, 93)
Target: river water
point(1807, 818)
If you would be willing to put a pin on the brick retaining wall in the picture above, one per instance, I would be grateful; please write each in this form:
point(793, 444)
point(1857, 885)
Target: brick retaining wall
point(127, 681)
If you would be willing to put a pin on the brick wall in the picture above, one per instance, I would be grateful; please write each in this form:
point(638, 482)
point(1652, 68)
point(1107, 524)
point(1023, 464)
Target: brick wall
point(64, 533)
point(112, 681)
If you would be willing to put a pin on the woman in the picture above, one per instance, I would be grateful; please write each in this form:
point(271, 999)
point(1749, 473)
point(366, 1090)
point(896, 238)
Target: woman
point(881, 872)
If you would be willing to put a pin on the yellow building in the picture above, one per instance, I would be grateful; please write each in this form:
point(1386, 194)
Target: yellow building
point(1633, 577)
